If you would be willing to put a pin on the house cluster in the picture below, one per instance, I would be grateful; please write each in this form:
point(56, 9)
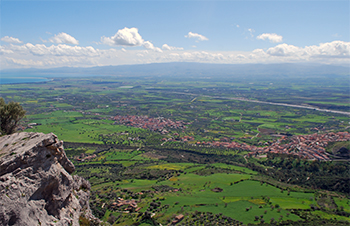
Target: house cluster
point(186, 138)
point(177, 219)
point(83, 157)
point(155, 124)
point(177, 138)
point(29, 126)
point(232, 145)
point(224, 144)
point(305, 146)
point(128, 205)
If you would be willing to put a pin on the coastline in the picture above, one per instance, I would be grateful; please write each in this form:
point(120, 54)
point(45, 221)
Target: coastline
point(23, 80)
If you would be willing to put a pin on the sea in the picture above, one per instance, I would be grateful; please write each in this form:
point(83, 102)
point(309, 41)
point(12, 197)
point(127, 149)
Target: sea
point(20, 78)
point(15, 78)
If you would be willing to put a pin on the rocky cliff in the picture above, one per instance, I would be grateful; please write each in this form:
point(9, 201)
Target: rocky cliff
point(36, 185)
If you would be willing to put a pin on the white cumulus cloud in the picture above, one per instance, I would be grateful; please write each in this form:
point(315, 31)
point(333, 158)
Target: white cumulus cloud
point(334, 50)
point(149, 45)
point(129, 37)
point(285, 50)
point(55, 55)
point(5, 51)
point(23, 62)
point(64, 38)
point(338, 49)
point(11, 40)
point(56, 50)
point(272, 37)
point(167, 47)
point(196, 36)
point(124, 37)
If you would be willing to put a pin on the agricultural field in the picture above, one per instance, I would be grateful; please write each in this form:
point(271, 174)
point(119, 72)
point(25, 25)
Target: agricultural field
point(193, 190)
point(156, 150)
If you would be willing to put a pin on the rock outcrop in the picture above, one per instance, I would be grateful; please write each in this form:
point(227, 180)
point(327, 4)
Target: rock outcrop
point(36, 185)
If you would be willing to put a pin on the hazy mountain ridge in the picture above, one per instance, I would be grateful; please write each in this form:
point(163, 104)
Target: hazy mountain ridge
point(195, 69)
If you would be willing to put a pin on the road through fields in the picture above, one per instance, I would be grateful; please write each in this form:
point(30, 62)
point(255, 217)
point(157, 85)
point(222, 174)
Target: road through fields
point(265, 102)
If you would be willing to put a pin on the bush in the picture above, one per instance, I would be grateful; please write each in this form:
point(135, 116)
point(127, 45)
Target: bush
point(10, 115)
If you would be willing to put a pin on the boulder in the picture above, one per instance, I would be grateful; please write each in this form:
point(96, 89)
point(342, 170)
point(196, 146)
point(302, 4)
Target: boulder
point(36, 185)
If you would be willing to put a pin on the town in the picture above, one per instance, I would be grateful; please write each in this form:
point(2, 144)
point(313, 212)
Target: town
point(310, 147)
point(145, 122)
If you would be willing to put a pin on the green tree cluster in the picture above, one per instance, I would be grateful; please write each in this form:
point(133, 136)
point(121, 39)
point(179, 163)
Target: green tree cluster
point(10, 115)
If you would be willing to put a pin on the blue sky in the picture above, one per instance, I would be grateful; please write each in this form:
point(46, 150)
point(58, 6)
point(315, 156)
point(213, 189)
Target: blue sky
point(91, 33)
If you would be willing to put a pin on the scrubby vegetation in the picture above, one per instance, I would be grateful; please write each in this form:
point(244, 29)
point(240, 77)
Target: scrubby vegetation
point(10, 115)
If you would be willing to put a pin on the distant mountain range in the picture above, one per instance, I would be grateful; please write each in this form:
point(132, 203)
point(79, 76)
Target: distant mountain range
point(195, 69)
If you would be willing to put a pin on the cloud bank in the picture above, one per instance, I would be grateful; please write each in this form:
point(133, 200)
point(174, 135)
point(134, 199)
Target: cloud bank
point(167, 47)
point(11, 40)
point(335, 49)
point(55, 50)
point(15, 54)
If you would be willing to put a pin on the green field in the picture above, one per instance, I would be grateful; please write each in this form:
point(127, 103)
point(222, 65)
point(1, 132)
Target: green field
point(196, 195)
point(69, 128)
point(168, 170)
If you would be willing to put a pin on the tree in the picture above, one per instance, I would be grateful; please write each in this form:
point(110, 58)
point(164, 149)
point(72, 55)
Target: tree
point(10, 115)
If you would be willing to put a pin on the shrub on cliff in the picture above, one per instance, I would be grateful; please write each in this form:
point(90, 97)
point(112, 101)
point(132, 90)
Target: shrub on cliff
point(10, 115)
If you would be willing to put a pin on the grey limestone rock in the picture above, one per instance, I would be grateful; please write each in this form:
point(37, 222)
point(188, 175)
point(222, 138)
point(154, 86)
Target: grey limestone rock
point(36, 185)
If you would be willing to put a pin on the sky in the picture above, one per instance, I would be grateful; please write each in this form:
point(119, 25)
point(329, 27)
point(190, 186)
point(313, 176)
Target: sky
point(49, 34)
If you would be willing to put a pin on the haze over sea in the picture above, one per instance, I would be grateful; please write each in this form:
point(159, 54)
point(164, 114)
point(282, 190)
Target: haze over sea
point(21, 78)
point(30, 77)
